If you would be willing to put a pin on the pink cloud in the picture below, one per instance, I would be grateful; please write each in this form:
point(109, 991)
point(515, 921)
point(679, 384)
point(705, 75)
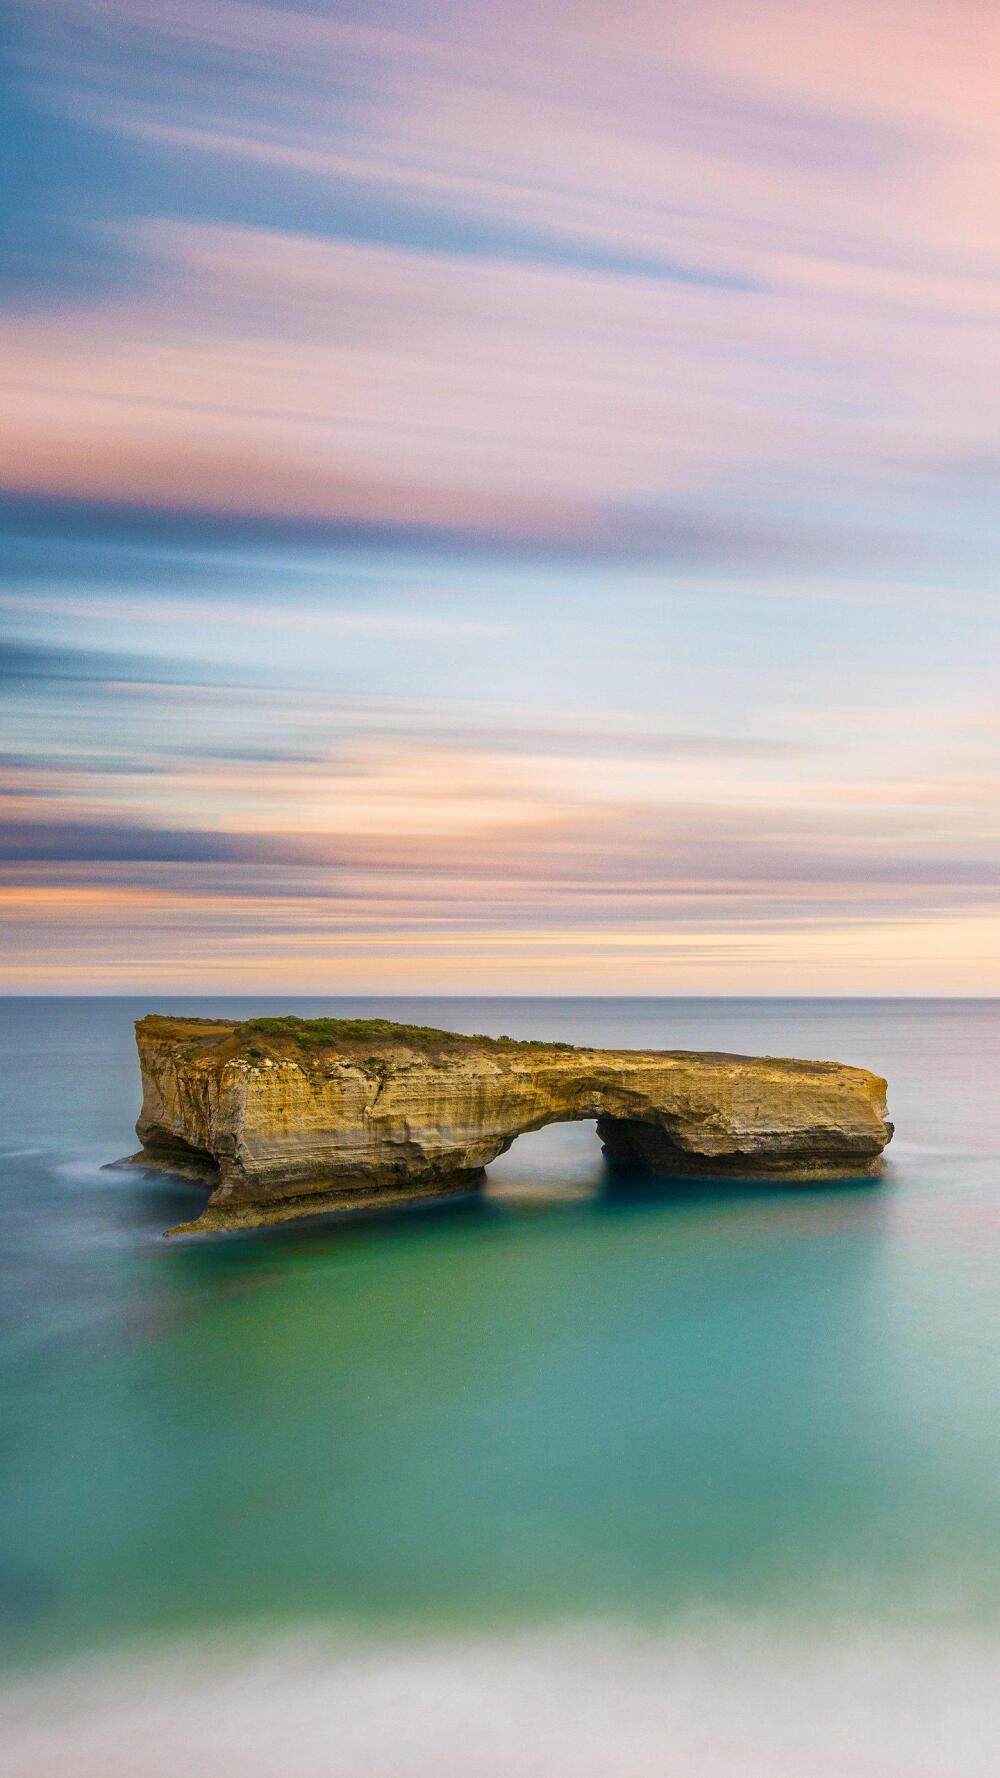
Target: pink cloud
point(285, 374)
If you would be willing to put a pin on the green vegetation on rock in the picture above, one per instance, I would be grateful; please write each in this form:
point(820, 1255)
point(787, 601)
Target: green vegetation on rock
point(321, 1033)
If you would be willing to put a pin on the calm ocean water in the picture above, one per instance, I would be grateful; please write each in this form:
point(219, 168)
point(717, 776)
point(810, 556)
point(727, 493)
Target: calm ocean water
point(559, 1407)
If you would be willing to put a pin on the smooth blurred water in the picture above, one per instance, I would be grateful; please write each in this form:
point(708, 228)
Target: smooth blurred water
point(560, 1402)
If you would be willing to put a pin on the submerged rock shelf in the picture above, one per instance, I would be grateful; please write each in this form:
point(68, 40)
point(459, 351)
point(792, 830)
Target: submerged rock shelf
point(289, 1117)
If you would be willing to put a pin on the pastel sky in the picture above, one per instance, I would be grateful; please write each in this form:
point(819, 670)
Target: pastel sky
point(500, 497)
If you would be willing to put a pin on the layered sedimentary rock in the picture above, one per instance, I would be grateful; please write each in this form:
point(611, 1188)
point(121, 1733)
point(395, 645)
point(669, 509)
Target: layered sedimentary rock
point(284, 1117)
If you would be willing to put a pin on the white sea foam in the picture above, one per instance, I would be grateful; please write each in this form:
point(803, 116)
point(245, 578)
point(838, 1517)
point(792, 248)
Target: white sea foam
point(731, 1699)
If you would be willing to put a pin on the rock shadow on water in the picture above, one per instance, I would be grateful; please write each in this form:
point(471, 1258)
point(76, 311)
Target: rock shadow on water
point(604, 1189)
point(156, 1198)
point(626, 1190)
point(267, 1251)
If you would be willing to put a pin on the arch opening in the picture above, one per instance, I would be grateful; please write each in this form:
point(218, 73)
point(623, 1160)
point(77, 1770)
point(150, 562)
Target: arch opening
point(562, 1160)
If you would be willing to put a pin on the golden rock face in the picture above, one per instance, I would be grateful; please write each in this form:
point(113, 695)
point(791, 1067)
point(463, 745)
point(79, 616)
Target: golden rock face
point(287, 1117)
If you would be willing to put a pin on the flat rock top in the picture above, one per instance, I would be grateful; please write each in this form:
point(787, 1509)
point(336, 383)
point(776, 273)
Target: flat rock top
point(303, 1040)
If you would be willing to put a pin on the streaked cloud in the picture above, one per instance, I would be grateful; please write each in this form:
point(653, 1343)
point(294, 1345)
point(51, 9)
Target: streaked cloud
point(500, 499)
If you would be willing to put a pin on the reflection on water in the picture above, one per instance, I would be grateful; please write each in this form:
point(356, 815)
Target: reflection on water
point(559, 1402)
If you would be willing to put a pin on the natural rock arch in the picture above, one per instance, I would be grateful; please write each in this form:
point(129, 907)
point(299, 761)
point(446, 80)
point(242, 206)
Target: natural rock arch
point(287, 1117)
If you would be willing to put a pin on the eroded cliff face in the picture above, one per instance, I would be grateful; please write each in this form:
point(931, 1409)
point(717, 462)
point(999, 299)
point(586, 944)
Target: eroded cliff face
point(286, 1118)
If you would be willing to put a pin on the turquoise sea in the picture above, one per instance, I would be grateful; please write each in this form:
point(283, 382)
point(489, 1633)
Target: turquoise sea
point(569, 1429)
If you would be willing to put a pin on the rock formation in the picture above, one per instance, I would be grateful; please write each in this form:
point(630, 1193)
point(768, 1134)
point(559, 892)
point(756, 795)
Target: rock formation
point(286, 1117)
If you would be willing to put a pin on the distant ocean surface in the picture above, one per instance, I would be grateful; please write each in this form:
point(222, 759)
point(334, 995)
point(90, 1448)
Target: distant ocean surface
point(569, 1480)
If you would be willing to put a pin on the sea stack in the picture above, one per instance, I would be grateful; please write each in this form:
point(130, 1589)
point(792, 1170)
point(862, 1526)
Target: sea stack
point(289, 1117)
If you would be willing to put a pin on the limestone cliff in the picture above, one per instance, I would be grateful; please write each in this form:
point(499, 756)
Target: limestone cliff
point(285, 1117)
